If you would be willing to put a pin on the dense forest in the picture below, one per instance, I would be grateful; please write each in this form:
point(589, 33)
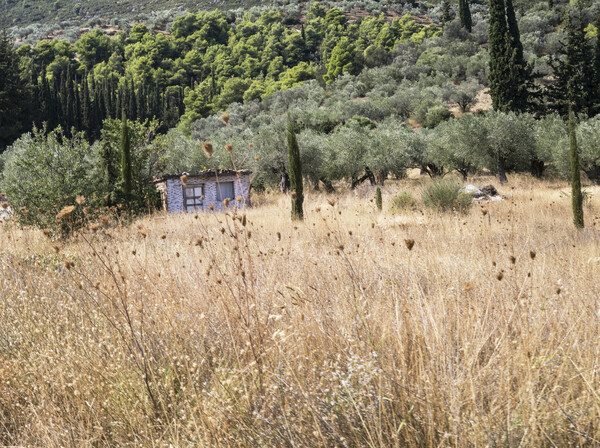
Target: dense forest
point(446, 87)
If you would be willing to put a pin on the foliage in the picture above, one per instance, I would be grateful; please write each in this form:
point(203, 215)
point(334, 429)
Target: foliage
point(444, 195)
point(403, 201)
point(43, 173)
point(12, 90)
point(378, 199)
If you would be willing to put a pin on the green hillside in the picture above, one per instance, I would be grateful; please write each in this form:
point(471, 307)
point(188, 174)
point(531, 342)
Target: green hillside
point(16, 12)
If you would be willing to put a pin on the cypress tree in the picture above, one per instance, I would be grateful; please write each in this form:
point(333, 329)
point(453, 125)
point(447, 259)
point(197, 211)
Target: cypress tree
point(576, 193)
point(126, 170)
point(378, 199)
point(77, 123)
point(464, 12)
point(69, 101)
point(596, 70)
point(446, 17)
point(46, 102)
point(500, 89)
point(13, 94)
point(86, 106)
point(574, 86)
point(520, 74)
point(497, 49)
point(296, 185)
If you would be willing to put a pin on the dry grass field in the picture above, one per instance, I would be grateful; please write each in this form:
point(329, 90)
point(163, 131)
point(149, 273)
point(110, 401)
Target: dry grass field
point(228, 331)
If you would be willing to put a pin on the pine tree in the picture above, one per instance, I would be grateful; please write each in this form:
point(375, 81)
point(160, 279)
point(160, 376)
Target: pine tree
point(464, 12)
point(126, 168)
point(296, 182)
point(576, 193)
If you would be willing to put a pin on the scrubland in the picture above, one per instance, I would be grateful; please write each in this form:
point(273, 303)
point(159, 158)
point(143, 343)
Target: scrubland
point(247, 330)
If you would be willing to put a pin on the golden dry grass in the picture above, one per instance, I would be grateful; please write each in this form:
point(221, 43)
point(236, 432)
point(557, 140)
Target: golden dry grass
point(184, 331)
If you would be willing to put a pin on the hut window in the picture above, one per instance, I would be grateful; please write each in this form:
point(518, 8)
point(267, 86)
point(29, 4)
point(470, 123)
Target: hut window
point(194, 197)
point(225, 191)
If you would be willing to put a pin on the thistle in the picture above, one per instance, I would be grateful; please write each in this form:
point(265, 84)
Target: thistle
point(207, 147)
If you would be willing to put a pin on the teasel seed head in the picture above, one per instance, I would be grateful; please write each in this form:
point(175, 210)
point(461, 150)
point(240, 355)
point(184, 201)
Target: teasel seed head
point(207, 147)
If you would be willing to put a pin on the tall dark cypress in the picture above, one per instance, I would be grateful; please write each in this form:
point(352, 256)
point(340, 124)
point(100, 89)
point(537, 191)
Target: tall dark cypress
point(46, 102)
point(446, 17)
point(499, 90)
point(126, 165)
point(77, 123)
point(86, 106)
point(574, 73)
point(13, 94)
point(576, 194)
point(130, 93)
point(69, 118)
point(596, 70)
point(520, 74)
point(296, 182)
point(464, 12)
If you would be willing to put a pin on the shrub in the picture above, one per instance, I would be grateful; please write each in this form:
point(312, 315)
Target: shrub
point(403, 201)
point(435, 116)
point(44, 174)
point(444, 195)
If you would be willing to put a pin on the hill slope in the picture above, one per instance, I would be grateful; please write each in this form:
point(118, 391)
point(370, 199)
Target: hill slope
point(20, 12)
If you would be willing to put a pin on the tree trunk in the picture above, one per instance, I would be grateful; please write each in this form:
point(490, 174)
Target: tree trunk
point(368, 175)
point(284, 183)
point(327, 185)
point(593, 175)
point(433, 170)
point(502, 170)
point(537, 168)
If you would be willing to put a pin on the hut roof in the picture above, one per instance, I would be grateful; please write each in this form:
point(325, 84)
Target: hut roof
point(205, 173)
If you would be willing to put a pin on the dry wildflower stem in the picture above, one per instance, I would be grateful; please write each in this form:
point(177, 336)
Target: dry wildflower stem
point(207, 147)
point(212, 339)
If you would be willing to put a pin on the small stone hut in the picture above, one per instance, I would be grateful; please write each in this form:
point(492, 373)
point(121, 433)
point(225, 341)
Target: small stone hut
point(206, 190)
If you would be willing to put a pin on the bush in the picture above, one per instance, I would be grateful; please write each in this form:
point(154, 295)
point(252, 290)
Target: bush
point(435, 116)
point(44, 174)
point(444, 195)
point(403, 201)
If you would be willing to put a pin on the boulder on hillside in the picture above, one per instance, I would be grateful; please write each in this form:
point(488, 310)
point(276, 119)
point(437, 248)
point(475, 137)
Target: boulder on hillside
point(483, 194)
point(489, 190)
point(471, 190)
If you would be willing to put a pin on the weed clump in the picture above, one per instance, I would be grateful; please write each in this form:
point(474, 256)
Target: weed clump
point(444, 195)
point(403, 201)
